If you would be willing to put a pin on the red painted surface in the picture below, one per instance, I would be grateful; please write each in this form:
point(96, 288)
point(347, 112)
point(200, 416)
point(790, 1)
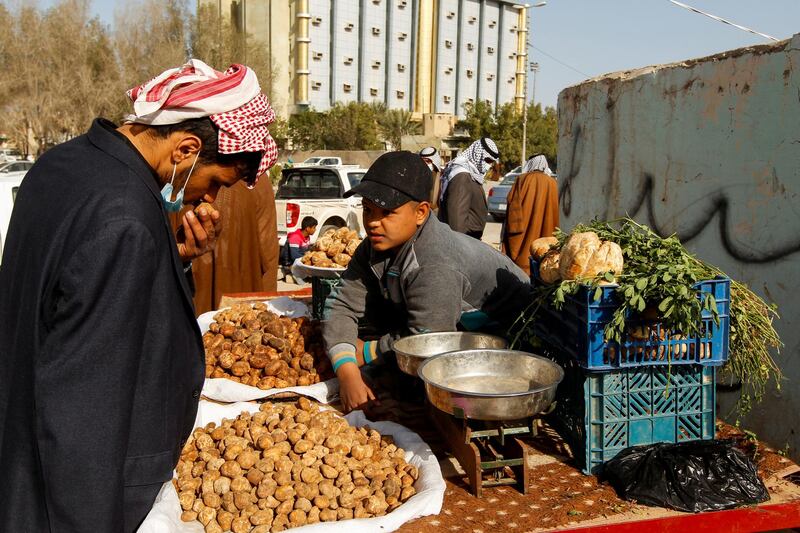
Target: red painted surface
point(270, 295)
point(748, 519)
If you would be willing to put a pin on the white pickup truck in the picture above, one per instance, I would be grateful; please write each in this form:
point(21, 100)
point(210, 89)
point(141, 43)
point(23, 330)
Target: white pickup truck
point(318, 191)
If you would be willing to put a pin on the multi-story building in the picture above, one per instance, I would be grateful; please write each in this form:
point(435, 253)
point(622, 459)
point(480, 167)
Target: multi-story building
point(426, 56)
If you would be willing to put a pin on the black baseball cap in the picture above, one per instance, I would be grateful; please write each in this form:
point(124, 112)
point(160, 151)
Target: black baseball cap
point(394, 179)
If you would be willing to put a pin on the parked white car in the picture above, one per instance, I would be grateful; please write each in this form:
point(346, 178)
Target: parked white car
point(15, 166)
point(321, 161)
point(9, 185)
point(318, 191)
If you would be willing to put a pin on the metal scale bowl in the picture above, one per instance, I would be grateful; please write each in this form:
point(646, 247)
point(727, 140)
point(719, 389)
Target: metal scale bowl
point(486, 400)
point(413, 350)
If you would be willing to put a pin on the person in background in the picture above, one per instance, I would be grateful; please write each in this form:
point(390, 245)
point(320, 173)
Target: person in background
point(430, 155)
point(297, 243)
point(413, 274)
point(532, 211)
point(245, 258)
point(101, 358)
point(462, 201)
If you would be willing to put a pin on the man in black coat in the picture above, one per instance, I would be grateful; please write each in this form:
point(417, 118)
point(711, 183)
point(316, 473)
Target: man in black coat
point(462, 202)
point(101, 359)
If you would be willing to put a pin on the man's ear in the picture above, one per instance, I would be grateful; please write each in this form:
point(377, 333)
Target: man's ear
point(186, 145)
point(421, 212)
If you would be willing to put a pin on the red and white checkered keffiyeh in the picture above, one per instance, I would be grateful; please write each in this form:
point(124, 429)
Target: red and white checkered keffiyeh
point(231, 99)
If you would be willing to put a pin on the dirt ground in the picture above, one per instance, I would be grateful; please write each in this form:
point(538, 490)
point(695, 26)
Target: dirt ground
point(559, 494)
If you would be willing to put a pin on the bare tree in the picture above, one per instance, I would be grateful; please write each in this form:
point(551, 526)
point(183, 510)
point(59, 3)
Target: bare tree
point(150, 36)
point(62, 68)
point(214, 40)
point(58, 68)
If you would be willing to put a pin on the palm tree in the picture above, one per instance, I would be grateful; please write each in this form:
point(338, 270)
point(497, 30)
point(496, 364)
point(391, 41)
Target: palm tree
point(394, 124)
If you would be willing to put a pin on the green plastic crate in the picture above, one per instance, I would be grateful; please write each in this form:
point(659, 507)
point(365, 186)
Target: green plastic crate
point(320, 289)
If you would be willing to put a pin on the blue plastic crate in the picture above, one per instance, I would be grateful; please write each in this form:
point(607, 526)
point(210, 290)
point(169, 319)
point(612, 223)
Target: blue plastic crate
point(578, 329)
point(601, 413)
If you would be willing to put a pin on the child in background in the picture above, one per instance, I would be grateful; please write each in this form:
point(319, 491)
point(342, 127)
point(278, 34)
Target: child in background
point(297, 243)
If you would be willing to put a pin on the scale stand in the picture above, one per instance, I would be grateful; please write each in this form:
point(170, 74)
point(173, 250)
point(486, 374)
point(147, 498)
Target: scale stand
point(487, 447)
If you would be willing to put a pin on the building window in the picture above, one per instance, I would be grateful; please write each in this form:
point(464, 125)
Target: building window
point(316, 21)
point(511, 79)
point(317, 56)
point(316, 85)
point(376, 65)
point(373, 91)
point(472, 20)
point(402, 36)
point(448, 70)
point(513, 29)
point(348, 60)
point(446, 99)
point(470, 101)
point(512, 55)
point(376, 2)
point(400, 95)
point(401, 67)
point(347, 87)
point(402, 4)
point(448, 44)
point(470, 46)
point(490, 77)
point(376, 30)
point(451, 14)
point(349, 26)
point(470, 73)
point(492, 23)
point(490, 50)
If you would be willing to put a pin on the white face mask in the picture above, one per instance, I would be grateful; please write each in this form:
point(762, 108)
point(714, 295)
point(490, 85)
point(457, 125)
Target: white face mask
point(173, 206)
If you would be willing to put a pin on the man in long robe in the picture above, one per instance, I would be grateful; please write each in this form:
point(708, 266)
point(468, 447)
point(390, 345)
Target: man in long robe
point(532, 211)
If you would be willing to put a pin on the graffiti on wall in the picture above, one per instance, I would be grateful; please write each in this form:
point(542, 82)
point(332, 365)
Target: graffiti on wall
point(717, 204)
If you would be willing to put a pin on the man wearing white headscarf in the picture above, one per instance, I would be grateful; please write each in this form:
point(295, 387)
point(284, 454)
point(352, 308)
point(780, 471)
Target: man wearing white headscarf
point(430, 155)
point(537, 163)
point(532, 211)
point(462, 201)
point(101, 359)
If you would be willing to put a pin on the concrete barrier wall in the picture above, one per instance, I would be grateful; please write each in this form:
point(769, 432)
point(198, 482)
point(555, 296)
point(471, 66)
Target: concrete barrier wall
point(708, 149)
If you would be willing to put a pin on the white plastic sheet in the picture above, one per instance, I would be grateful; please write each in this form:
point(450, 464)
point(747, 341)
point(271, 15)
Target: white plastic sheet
point(225, 390)
point(165, 515)
point(302, 271)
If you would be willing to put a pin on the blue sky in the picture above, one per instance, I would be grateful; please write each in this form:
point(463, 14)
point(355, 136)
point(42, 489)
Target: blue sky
point(594, 37)
point(600, 36)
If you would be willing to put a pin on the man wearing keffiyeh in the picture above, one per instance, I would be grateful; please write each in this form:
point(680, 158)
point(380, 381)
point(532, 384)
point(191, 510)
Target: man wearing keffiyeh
point(462, 202)
point(101, 359)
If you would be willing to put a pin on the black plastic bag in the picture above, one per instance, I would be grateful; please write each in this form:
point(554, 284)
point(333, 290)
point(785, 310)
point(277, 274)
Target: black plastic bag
point(696, 476)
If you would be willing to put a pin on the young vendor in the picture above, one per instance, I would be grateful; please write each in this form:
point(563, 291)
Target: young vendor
point(413, 274)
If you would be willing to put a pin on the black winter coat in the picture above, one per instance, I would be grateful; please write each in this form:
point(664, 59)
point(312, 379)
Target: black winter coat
point(101, 360)
point(464, 207)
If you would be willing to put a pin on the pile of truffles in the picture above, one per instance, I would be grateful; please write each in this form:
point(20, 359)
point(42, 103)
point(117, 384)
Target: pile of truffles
point(288, 465)
point(249, 344)
point(334, 249)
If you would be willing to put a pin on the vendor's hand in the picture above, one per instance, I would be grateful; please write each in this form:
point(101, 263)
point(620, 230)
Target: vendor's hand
point(200, 232)
point(353, 392)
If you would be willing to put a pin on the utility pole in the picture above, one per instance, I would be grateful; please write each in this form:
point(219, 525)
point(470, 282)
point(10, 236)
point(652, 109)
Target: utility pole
point(534, 69)
point(525, 81)
point(524, 117)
